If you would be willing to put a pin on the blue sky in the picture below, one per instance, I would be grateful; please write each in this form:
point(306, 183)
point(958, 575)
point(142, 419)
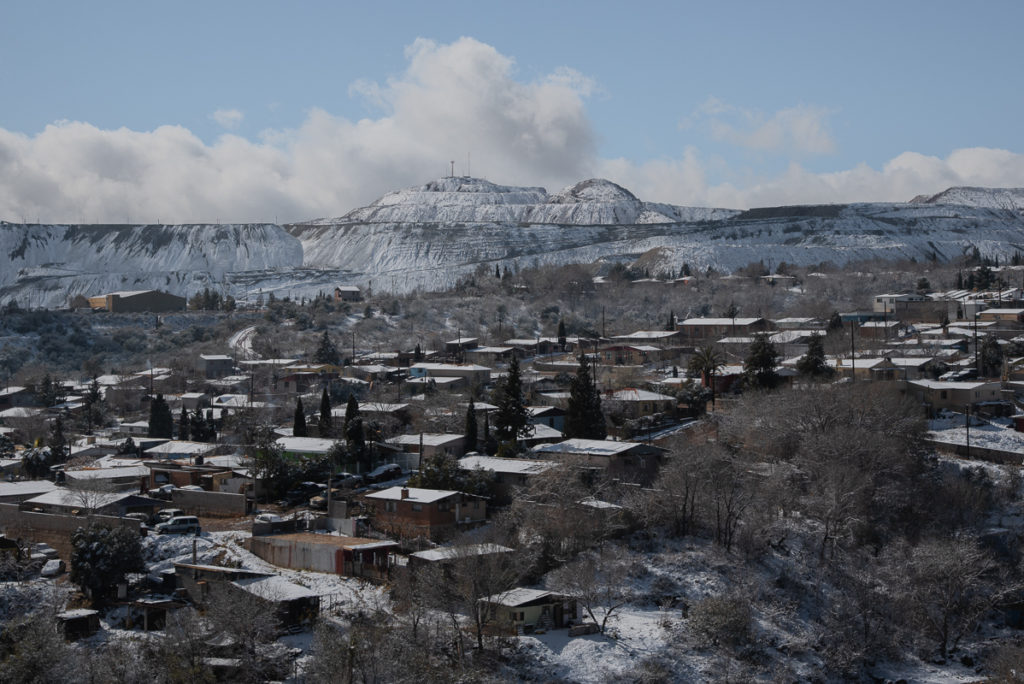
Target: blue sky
point(250, 110)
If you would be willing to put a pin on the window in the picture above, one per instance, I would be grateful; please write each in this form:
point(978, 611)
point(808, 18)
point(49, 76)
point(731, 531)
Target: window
point(417, 507)
point(942, 394)
point(391, 506)
point(442, 506)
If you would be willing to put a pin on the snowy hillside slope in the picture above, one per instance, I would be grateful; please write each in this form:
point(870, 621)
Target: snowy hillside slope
point(429, 236)
point(44, 265)
point(992, 198)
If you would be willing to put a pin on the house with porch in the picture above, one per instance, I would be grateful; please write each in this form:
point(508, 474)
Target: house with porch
point(520, 610)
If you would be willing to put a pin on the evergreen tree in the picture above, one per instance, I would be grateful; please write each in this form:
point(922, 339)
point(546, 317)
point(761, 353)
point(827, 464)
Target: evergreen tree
point(351, 409)
point(49, 393)
point(471, 435)
point(355, 432)
point(101, 558)
point(835, 321)
point(583, 416)
point(326, 352)
point(161, 422)
point(324, 421)
point(686, 270)
point(991, 356)
point(184, 423)
point(671, 324)
point(202, 431)
point(511, 417)
point(299, 426)
point(813, 364)
point(984, 277)
point(93, 401)
point(959, 280)
point(759, 366)
point(561, 334)
point(417, 354)
point(497, 271)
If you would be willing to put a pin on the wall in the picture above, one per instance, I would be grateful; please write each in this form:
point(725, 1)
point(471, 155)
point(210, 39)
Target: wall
point(212, 504)
point(53, 529)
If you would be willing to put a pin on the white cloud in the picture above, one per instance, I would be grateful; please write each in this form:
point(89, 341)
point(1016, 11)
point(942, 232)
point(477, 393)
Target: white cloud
point(683, 181)
point(800, 130)
point(452, 99)
point(228, 118)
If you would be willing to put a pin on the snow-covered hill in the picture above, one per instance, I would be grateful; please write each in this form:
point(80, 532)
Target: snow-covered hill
point(48, 264)
point(429, 236)
point(992, 198)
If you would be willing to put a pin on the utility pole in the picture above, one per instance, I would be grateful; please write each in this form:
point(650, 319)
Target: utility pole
point(853, 353)
point(967, 423)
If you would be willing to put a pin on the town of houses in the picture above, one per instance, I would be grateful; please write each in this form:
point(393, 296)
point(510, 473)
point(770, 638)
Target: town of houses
point(364, 517)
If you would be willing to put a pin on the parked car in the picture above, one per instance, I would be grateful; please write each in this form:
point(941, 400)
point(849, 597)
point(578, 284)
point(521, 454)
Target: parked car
point(384, 473)
point(162, 492)
point(166, 514)
point(347, 480)
point(268, 518)
point(180, 524)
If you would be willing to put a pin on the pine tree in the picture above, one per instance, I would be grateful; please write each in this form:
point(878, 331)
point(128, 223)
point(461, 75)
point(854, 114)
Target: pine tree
point(471, 435)
point(835, 322)
point(57, 440)
point(959, 280)
point(324, 421)
point(93, 402)
point(561, 334)
point(161, 422)
point(991, 356)
point(511, 417)
point(183, 425)
point(813, 364)
point(584, 418)
point(671, 325)
point(326, 352)
point(759, 366)
point(299, 426)
point(201, 430)
point(355, 433)
point(417, 354)
point(351, 409)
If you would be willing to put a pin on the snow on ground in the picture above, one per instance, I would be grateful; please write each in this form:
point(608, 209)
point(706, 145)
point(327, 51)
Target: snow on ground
point(225, 548)
point(996, 433)
point(598, 657)
point(241, 341)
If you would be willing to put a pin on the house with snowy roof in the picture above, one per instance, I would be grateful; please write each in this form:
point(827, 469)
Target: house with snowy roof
point(434, 514)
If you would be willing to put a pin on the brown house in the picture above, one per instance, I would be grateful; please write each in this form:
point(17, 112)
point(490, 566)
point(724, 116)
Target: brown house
point(432, 513)
point(139, 300)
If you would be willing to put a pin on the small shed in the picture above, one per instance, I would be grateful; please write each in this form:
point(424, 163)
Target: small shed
point(79, 623)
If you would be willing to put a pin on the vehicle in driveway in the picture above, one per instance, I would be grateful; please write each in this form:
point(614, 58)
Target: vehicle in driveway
point(180, 524)
point(165, 514)
point(269, 518)
point(384, 473)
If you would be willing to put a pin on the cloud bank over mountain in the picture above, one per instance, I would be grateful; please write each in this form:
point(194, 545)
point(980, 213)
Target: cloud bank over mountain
point(452, 99)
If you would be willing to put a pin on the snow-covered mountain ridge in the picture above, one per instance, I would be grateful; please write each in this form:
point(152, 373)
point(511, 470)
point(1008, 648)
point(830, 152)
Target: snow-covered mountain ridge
point(429, 236)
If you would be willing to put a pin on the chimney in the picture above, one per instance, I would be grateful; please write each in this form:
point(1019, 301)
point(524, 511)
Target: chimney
point(405, 493)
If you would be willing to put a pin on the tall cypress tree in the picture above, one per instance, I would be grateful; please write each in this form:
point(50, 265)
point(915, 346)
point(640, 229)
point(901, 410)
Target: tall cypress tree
point(161, 422)
point(471, 428)
point(351, 409)
point(583, 417)
point(183, 425)
point(324, 421)
point(299, 426)
point(511, 417)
